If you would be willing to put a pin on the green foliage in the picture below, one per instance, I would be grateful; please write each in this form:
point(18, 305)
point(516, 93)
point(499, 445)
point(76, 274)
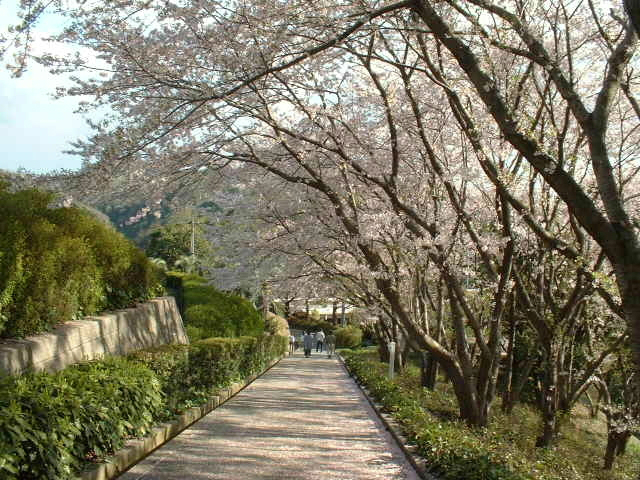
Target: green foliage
point(57, 264)
point(52, 424)
point(504, 450)
point(211, 313)
point(301, 321)
point(194, 333)
point(189, 373)
point(348, 337)
point(209, 319)
point(451, 452)
point(173, 243)
point(186, 263)
point(170, 363)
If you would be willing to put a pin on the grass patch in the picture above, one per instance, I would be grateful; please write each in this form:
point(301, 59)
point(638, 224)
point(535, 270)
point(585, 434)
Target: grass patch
point(505, 450)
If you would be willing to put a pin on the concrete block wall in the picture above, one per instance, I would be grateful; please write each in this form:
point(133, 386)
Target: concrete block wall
point(156, 322)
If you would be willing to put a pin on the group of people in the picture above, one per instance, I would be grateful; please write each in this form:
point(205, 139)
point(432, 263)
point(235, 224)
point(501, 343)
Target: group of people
point(320, 339)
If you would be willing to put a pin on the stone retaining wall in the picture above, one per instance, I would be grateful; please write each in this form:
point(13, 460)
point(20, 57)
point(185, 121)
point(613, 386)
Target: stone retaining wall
point(156, 322)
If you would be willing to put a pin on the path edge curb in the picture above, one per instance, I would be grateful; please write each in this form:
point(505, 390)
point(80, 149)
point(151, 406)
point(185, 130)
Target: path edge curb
point(419, 463)
point(136, 450)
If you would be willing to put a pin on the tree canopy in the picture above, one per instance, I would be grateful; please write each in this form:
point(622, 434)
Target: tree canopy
point(467, 169)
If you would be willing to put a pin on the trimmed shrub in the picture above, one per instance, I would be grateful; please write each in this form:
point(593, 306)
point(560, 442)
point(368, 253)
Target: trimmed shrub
point(52, 425)
point(348, 337)
point(194, 333)
point(301, 321)
point(211, 321)
point(188, 373)
point(208, 312)
point(58, 264)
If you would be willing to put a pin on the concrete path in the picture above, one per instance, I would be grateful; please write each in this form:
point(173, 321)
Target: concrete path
point(304, 419)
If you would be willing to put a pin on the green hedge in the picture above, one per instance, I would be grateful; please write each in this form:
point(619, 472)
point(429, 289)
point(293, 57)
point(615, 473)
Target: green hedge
point(57, 264)
point(348, 337)
point(188, 373)
point(52, 424)
point(208, 312)
point(449, 448)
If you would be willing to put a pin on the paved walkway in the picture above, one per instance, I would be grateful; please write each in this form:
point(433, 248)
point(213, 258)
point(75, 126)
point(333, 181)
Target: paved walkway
point(304, 419)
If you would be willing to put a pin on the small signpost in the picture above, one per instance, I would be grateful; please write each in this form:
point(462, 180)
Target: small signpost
point(392, 358)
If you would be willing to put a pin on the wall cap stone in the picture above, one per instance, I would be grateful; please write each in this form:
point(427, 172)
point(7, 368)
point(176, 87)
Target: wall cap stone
point(150, 324)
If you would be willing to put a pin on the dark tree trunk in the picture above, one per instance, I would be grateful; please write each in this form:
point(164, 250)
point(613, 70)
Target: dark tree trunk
point(613, 439)
point(623, 441)
point(383, 352)
point(429, 371)
point(549, 402)
point(383, 338)
point(287, 308)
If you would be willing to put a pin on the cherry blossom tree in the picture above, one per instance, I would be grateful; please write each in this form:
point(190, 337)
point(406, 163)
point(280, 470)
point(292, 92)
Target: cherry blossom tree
point(404, 128)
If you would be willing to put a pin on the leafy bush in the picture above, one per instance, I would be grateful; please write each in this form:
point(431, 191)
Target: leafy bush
point(209, 319)
point(188, 373)
point(277, 325)
point(57, 264)
point(209, 312)
point(50, 425)
point(301, 321)
point(194, 333)
point(451, 451)
point(505, 449)
point(348, 337)
point(170, 364)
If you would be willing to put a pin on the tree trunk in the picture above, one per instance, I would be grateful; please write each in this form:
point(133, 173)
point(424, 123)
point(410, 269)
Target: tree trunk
point(429, 371)
point(467, 398)
point(549, 421)
point(383, 339)
point(507, 395)
point(593, 406)
point(628, 279)
point(623, 441)
point(549, 402)
point(612, 447)
point(383, 352)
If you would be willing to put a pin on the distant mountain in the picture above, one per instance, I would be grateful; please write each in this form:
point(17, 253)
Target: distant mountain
point(135, 210)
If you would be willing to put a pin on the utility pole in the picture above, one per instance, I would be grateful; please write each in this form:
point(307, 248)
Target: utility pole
point(193, 237)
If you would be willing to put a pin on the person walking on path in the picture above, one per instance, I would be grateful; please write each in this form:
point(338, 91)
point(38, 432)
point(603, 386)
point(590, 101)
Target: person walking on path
point(331, 345)
point(319, 341)
point(308, 343)
point(292, 344)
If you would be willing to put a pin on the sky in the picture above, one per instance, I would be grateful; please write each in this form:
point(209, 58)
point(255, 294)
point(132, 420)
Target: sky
point(34, 127)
